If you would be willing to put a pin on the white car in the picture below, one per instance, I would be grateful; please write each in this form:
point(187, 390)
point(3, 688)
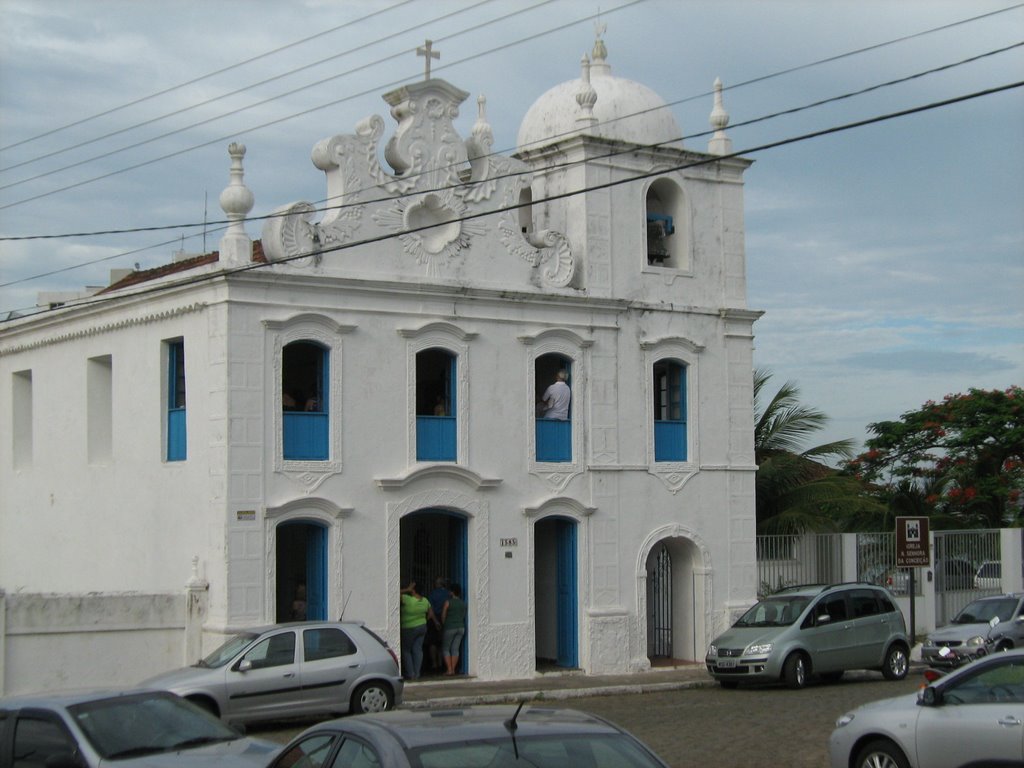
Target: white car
point(972, 716)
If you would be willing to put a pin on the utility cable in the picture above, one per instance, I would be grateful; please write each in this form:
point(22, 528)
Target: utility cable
point(235, 92)
point(555, 166)
point(551, 198)
point(207, 76)
point(311, 110)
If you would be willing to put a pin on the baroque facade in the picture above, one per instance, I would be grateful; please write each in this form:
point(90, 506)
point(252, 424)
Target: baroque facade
point(352, 400)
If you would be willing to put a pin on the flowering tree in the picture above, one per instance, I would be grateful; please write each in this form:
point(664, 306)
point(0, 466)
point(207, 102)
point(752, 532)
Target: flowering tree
point(968, 451)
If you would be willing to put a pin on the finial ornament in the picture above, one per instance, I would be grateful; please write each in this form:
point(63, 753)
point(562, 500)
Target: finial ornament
point(600, 52)
point(586, 96)
point(719, 144)
point(427, 52)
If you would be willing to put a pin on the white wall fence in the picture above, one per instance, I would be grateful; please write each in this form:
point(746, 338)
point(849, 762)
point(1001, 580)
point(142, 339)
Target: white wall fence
point(940, 591)
point(54, 642)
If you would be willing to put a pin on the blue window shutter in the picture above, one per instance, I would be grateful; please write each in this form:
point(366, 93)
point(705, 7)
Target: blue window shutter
point(670, 428)
point(177, 444)
point(307, 434)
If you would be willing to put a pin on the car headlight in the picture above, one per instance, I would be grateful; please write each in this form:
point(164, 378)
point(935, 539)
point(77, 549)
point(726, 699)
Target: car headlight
point(762, 649)
point(976, 641)
point(712, 650)
point(845, 720)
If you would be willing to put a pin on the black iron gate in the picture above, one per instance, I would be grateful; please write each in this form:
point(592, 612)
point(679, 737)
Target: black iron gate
point(659, 604)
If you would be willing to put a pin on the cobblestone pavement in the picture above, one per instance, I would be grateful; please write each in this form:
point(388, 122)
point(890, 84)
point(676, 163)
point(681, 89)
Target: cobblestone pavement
point(680, 713)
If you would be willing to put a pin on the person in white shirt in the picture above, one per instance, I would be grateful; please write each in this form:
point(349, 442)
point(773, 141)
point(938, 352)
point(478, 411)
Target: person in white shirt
point(556, 399)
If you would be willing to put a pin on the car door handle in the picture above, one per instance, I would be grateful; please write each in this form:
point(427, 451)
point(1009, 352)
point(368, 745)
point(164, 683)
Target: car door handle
point(1010, 720)
point(289, 674)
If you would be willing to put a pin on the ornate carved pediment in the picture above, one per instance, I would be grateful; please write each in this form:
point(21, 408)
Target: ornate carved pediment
point(435, 201)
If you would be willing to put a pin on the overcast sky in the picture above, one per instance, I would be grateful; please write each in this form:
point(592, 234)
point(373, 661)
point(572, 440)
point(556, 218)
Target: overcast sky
point(889, 259)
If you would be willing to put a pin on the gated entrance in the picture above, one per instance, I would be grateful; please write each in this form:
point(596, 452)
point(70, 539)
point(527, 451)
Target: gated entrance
point(659, 603)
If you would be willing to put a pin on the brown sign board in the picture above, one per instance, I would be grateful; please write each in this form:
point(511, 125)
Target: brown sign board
point(912, 547)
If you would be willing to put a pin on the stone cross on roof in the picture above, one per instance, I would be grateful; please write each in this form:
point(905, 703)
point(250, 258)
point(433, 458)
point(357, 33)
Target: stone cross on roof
point(427, 52)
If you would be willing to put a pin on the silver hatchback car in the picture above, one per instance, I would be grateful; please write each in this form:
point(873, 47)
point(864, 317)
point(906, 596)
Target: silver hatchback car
point(821, 630)
point(284, 670)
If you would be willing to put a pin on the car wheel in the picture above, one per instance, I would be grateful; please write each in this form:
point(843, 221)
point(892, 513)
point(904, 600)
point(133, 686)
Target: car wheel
point(372, 697)
point(881, 754)
point(1004, 645)
point(896, 663)
point(794, 671)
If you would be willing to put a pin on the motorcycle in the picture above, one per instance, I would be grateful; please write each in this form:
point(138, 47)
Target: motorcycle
point(953, 658)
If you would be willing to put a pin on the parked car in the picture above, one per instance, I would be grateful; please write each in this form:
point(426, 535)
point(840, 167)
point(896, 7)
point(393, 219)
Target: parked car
point(129, 729)
point(989, 575)
point(474, 737)
point(304, 668)
point(971, 634)
point(822, 630)
point(970, 716)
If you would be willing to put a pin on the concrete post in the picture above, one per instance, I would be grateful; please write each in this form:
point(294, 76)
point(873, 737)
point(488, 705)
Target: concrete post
point(1012, 554)
point(3, 637)
point(196, 603)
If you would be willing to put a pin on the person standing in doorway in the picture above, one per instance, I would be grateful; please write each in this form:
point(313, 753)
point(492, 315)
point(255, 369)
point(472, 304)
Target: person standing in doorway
point(453, 619)
point(415, 612)
point(557, 398)
point(437, 597)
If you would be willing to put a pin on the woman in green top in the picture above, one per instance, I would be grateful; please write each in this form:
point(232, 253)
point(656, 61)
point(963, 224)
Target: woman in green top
point(415, 612)
point(453, 617)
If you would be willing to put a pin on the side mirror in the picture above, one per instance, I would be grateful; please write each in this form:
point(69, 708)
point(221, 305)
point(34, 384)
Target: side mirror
point(823, 619)
point(244, 665)
point(929, 697)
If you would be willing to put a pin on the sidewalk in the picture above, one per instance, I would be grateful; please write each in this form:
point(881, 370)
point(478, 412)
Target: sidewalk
point(549, 686)
point(558, 685)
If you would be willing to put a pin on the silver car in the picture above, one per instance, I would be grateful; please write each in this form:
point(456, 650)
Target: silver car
point(972, 716)
point(973, 634)
point(822, 630)
point(128, 729)
point(491, 736)
point(284, 670)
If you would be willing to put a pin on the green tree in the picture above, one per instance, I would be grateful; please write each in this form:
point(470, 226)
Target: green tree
point(965, 454)
point(796, 491)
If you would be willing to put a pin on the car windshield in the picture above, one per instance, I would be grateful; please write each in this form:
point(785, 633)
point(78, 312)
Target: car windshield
point(983, 610)
point(777, 611)
point(145, 724)
point(230, 648)
point(608, 750)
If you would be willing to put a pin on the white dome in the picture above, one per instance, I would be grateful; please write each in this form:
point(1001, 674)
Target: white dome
point(624, 110)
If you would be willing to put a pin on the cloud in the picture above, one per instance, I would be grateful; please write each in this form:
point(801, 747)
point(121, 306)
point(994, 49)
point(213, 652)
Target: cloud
point(928, 361)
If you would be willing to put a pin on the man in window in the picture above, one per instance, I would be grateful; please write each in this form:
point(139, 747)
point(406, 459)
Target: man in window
point(556, 399)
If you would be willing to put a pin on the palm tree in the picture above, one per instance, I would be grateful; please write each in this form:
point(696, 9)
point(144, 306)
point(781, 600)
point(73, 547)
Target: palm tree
point(796, 491)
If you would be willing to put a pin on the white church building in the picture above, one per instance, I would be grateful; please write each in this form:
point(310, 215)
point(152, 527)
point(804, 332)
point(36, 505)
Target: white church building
point(351, 400)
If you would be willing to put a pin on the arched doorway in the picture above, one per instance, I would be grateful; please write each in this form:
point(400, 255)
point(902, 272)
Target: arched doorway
point(556, 594)
point(433, 545)
point(301, 570)
point(672, 601)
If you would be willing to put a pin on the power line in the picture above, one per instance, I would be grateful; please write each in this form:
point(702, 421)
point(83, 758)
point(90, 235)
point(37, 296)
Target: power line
point(733, 126)
point(207, 76)
point(235, 93)
point(375, 89)
point(236, 134)
point(596, 187)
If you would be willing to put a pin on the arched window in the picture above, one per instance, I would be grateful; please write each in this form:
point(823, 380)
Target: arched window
point(305, 394)
point(553, 387)
point(436, 406)
point(666, 225)
point(669, 411)
point(525, 210)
